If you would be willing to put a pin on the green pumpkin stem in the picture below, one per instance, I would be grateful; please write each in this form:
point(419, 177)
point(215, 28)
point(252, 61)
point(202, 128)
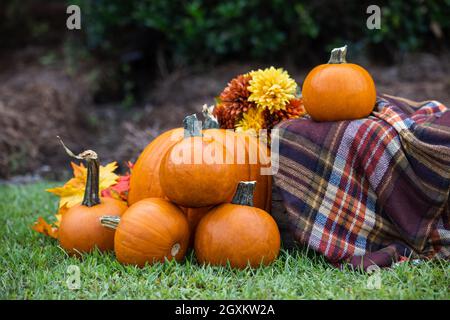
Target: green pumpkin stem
point(91, 192)
point(211, 121)
point(110, 221)
point(338, 55)
point(244, 193)
point(192, 127)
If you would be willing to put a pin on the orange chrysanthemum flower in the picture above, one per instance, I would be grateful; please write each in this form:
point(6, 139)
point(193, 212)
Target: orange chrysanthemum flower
point(233, 102)
point(294, 109)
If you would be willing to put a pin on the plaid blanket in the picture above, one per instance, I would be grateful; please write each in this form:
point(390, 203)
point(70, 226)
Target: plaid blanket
point(372, 190)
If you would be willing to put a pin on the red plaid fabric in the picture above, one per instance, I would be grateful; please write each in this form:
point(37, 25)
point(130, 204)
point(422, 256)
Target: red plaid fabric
point(371, 190)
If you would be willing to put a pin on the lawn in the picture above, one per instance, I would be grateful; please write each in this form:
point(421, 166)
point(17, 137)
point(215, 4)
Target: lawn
point(33, 266)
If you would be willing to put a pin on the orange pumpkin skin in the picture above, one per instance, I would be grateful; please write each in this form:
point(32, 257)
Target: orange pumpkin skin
point(80, 230)
point(193, 216)
point(145, 177)
point(250, 170)
point(239, 234)
point(247, 171)
point(338, 90)
point(189, 181)
point(144, 180)
point(151, 230)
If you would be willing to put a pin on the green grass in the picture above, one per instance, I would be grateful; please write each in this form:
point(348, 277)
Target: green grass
point(33, 266)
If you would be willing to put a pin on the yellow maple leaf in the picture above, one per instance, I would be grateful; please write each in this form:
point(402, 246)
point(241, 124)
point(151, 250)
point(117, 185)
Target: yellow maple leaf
point(72, 192)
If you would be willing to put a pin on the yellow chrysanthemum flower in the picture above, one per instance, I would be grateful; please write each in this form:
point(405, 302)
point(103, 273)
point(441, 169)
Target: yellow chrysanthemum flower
point(271, 88)
point(251, 122)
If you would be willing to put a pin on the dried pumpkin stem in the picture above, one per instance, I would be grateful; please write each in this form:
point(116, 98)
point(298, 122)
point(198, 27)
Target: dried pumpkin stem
point(244, 193)
point(192, 127)
point(91, 192)
point(338, 55)
point(110, 221)
point(211, 121)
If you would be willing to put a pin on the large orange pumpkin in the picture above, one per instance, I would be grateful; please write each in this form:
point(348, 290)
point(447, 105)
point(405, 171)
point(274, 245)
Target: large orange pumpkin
point(338, 90)
point(237, 233)
point(150, 231)
point(145, 181)
point(194, 172)
point(80, 229)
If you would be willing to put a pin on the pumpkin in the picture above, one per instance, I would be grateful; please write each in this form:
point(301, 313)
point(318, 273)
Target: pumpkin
point(248, 170)
point(204, 168)
point(250, 157)
point(145, 178)
point(151, 230)
point(338, 90)
point(80, 229)
point(193, 216)
point(237, 233)
point(194, 172)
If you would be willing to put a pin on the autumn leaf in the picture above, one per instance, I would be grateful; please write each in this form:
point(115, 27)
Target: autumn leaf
point(50, 229)
point(130, 165)
point(44, 227)
point(59, 215)
point(119, 190)
point(73, 191)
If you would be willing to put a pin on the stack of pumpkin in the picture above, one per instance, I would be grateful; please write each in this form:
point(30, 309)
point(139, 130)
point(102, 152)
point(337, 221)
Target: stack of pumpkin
point(196, 186)
point(190, 186)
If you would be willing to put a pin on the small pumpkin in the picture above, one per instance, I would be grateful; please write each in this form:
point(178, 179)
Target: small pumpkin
point(80, 229)
point(196, 171)
point(338, 90)
point(238, 233)
point(150, 231)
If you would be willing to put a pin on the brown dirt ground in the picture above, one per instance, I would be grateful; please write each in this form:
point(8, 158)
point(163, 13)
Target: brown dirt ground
point(38, 102)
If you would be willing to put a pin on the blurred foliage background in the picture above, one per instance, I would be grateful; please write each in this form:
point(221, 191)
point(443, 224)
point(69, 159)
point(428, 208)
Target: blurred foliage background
point(200, 31)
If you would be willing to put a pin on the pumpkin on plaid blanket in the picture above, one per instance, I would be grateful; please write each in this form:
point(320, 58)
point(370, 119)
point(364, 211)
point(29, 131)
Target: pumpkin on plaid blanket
point(369, 191)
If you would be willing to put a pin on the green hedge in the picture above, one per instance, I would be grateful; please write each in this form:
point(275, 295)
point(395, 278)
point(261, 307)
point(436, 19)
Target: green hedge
point(209, 31)
point(135, 36)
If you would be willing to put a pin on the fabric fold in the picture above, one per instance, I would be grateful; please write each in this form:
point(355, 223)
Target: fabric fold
point(368, 191)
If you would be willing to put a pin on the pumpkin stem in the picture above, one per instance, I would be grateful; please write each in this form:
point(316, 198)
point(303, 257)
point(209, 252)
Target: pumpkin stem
point(244, 193)
point(192, 127)
point(210, 120)
point(91, 192)
point(338, 55)
point(110, 221)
